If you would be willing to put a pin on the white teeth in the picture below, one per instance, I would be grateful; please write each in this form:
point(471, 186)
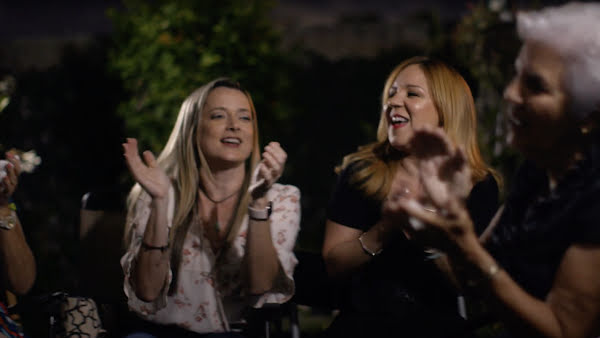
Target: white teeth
point(231, 140)
point(399, 119)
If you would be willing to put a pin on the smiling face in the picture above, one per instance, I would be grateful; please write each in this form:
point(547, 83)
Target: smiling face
point(226, 128)
point(538, 121)
point(409, 106)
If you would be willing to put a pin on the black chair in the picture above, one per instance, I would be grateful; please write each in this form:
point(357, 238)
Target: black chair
point(42, 309)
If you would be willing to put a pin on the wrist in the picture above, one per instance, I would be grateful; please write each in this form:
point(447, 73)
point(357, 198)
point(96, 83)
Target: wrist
point(468, 247)
point(477, 266)
point(159, 202)
point(260, 211)
point(8, 217)
point(259, 203)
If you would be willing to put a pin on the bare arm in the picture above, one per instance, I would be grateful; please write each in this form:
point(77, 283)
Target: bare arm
point(342, 251)
point(18, 263)
point(261, 257)
point(262, 263)
point(152, 265)
point(571, 309)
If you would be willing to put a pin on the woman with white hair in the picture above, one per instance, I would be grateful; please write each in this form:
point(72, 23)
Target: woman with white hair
point(538, 263)
point(210, 233)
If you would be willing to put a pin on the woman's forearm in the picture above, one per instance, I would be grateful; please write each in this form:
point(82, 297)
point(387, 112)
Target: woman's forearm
point(152, 265)
point(343, 252)
point(520, 311)
point(17, 260)
point(261, 261)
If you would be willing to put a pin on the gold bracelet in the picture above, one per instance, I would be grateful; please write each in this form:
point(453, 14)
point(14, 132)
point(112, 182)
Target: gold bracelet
point(492, 271)
point(489, 274)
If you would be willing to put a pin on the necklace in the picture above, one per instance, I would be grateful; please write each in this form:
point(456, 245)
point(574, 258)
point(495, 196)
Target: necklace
point(217, 225)
point(221, 200)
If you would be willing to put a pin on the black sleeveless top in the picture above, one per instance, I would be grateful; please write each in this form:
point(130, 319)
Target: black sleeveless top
point(538, 225)
point(401, 285)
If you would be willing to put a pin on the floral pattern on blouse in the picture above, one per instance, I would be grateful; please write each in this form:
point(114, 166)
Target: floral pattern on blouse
point(209, 296)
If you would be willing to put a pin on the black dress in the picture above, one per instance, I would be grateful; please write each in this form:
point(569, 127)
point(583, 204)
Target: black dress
point(399, 293)
point(538, 225)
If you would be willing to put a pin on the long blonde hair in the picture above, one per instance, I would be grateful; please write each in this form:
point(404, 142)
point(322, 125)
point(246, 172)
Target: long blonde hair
point(182, 160)
point(456, 112)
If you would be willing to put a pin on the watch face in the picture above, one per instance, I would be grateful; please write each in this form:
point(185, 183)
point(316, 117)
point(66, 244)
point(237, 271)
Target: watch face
point(7, 223)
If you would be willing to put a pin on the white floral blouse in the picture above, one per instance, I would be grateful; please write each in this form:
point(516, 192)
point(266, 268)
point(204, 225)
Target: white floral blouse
point(208, 298)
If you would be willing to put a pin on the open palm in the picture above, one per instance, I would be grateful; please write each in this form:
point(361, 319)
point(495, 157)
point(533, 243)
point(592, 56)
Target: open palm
point(149, 175)
point(445, 172)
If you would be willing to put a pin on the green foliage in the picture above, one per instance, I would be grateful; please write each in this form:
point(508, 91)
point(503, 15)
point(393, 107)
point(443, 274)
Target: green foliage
point(165, 49)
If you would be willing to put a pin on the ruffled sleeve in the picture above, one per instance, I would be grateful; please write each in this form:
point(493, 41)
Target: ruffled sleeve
point(285, 224)
point(136, 223)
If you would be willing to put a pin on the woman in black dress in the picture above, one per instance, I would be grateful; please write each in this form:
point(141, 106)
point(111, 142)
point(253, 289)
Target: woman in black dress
point(538, 267)
point(394, 284)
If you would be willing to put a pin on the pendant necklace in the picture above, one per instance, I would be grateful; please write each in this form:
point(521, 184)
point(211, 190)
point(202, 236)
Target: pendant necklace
point(217, 225)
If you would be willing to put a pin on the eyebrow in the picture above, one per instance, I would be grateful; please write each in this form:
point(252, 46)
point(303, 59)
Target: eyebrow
point(223, 108)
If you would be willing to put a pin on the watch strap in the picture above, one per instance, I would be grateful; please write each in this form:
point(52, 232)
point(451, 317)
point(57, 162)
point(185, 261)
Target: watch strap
point(260, 214)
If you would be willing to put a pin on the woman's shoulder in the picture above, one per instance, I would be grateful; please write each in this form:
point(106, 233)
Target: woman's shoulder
point(279, 190)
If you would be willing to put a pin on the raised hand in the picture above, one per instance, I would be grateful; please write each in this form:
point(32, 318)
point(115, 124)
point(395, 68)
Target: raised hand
point(9, 182)
point(443, 167)
point(445, 177)
point(149, 175)
point(269, 169)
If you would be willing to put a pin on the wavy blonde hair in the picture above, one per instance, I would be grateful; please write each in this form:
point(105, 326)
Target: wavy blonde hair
point(182, 160)
point(454, 103)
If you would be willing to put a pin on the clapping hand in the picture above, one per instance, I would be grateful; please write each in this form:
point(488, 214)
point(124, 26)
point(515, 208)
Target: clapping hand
point(8, 183)
point(445, 177)
point(147, 173)
point(443, 167)
point(269, 169)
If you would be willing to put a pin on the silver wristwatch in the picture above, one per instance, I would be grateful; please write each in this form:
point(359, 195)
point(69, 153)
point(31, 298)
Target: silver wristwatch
point(260, 214)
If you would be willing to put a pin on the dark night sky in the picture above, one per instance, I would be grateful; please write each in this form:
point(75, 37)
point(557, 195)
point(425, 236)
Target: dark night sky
point(64, 18)
point(68, 18)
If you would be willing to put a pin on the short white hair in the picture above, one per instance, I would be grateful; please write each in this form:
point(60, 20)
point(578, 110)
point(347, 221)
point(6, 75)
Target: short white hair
point(573, 30)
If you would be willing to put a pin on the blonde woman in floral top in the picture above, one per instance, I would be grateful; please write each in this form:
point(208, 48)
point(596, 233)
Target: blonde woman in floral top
point(209, 232)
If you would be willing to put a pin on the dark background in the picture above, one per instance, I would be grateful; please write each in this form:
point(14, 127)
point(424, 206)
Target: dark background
point(334, 57)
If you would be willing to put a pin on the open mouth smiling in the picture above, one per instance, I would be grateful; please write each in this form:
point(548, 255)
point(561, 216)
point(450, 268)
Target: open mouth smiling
point(231, 141)
point(398, 121)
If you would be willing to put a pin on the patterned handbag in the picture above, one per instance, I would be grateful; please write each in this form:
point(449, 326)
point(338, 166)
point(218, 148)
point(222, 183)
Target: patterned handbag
point(80, 318)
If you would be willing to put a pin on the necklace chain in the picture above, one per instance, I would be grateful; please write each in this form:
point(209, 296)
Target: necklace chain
point(221, 200)
point(217, 225)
